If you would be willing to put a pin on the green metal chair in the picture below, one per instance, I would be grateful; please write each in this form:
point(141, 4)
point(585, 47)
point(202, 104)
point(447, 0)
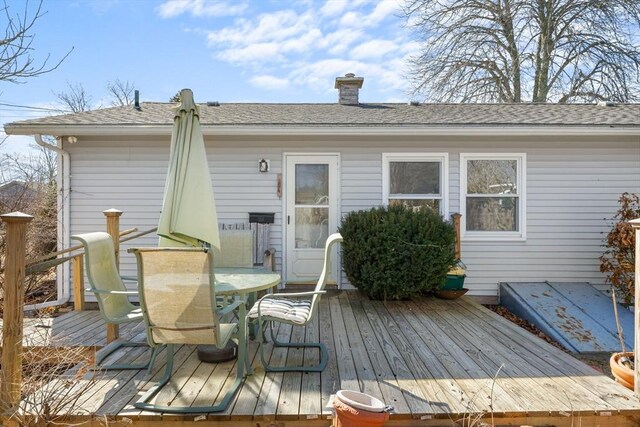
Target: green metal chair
point(112, 295)
point(297, 309)
point(178, 298)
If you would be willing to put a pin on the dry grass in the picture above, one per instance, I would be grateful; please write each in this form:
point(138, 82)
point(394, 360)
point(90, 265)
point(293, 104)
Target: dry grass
point(54, 379)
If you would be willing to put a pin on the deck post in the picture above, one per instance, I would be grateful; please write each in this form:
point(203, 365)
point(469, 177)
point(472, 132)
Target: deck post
point(456, 225)
point(78, 282)
point(636, 324)
point(113, 228)
point(14, 273)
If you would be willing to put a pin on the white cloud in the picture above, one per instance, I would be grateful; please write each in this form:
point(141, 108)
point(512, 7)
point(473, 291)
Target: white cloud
point(254, 53)
point(383, 10)
point(410, 48)
point(270, 39)
point(333, 7)
point(173, 8)
point(340, 41)
point(373, 49)
point(319, 75)
point(358, 19)
point(277, 26)
point(269, 82)
point(308, 47)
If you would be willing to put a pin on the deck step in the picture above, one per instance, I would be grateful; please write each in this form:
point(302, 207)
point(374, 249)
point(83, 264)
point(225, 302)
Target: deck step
point(577, 315)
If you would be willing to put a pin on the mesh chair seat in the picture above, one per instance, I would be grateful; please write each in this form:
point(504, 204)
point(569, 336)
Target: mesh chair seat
point(131, 316)
point(287, 310)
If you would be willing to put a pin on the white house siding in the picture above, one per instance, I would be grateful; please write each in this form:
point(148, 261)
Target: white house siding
point(572, 185)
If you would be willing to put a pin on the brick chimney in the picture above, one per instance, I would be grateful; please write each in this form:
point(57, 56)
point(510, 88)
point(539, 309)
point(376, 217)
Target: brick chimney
point(348, 87)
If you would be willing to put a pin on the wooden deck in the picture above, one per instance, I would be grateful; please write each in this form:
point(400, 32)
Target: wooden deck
point(434, 361)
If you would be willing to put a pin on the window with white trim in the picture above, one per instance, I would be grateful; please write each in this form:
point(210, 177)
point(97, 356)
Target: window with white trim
point(492, 202)
point(417, 180)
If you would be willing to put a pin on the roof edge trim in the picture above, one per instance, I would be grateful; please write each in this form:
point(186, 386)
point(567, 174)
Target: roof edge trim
point(159, 130)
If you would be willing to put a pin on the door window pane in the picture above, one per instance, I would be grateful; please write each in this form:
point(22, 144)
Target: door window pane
point(312, 184)
point(312, 227)
point(492, 213)
point(414, 177)
point(492, 176)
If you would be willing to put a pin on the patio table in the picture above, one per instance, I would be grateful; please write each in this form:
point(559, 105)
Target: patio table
point(245, 283)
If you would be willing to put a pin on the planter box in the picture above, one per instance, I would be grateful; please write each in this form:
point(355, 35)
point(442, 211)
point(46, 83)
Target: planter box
point(454, 282)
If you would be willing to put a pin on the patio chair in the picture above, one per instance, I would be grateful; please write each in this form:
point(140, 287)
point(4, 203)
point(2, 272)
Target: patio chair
point(297, 309)
point(177, 293)
point(112, 296)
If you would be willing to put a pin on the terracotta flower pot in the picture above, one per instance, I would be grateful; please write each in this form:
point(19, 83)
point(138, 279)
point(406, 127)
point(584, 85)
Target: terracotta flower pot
point(622, 374)
point(348, 416)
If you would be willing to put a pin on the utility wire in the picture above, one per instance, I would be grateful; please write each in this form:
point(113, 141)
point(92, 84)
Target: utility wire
point(55, 110)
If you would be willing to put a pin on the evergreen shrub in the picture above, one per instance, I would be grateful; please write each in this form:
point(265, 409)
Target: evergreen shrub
point(395, 252)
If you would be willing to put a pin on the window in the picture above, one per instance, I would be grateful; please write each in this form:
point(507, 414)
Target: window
point(492, 188)
point(416, 180)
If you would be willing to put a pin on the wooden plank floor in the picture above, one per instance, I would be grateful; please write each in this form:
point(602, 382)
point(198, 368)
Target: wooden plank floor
point(434, 361)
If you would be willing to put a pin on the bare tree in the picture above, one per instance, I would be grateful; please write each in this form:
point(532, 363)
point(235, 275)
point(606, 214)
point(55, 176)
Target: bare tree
point(75, 98)
point(526, 50)
point(36, 167)
point(175, 98)
point(121, 92)
point(16, 46)
point(31, 188)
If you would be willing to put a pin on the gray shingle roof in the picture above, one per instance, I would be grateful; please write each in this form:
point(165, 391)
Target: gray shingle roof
point(363, 115)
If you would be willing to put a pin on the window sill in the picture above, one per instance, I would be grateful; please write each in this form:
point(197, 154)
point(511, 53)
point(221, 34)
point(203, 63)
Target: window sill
point(493, 238)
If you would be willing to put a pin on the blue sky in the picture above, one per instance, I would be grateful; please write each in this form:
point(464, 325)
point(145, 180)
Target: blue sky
point(227, 51)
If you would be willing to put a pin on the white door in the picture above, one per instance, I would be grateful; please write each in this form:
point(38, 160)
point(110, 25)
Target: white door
point(311, 214)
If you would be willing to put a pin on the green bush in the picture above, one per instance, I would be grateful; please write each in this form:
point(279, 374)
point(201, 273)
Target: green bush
point(396, 252)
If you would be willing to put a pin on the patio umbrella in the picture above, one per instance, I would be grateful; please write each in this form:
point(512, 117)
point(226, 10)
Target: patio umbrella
point(188, 209)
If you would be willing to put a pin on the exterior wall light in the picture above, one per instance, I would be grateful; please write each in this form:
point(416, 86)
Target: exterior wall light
point(263, 165)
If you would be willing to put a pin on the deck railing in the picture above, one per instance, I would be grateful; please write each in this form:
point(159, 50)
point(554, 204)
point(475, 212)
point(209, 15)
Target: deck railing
point(16, 268)
point(14, 273)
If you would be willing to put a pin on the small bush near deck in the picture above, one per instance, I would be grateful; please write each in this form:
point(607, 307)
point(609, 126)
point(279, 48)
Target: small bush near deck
point(396, 252)
point(618, 261)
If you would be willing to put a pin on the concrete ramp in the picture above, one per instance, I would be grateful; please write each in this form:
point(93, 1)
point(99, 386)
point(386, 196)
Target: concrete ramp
point(576, 315)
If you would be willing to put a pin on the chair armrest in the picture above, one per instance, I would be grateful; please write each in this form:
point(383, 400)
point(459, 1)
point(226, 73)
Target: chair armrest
point(294, 294)
point(97, 291)
point(129, 278)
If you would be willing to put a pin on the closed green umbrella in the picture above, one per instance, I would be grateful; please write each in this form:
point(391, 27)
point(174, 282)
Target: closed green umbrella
point(188, 210)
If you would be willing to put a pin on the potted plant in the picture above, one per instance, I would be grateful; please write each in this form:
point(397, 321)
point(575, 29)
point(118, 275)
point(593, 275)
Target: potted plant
point(454, 285)
point(455, 277)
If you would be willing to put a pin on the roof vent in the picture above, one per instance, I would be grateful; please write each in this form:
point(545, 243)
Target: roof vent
point(414, 103)
point(136, 100)
point(213, 104)
point(606, 103)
